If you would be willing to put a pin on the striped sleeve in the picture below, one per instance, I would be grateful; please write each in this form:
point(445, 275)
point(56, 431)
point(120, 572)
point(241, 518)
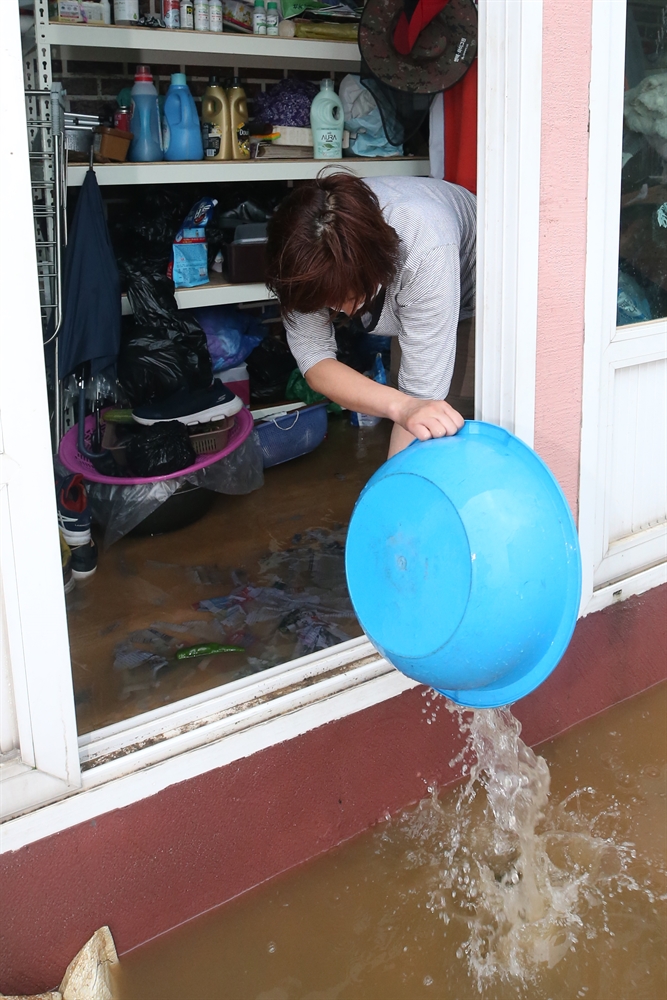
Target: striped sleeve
point(311, 338)
point(429, 302)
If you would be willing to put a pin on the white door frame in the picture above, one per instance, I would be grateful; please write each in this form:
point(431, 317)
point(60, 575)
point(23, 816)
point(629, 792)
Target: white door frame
point(36, 672)
point(636, 564)
point(134, 759)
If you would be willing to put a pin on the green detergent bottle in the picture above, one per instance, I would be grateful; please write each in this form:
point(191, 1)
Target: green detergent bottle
point(326, 122)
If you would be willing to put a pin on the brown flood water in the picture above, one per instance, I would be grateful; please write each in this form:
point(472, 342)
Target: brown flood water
point(375, 918)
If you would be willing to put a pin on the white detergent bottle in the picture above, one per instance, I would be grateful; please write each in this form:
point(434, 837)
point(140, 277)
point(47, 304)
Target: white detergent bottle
point(327, 121)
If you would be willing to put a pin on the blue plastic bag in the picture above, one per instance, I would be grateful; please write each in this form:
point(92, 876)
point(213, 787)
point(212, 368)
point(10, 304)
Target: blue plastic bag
point(190, 262)
point(363, 121)
point(631, 305)
point(379, 375)
point(231, 334)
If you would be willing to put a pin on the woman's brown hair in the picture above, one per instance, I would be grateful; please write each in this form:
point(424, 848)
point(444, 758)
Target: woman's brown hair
point(328, 243)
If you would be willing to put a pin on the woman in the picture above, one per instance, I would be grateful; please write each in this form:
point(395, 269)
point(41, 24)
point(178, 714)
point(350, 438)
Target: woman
point(399, 254)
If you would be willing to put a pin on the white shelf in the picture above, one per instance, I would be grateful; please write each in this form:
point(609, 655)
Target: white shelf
point(217, 293)
point(199, 172)
point(86, 41)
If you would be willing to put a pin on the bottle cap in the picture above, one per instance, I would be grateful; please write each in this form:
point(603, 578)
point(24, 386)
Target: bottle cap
point(143, 73)
point(272, 3)
point(236, 81)
point(259, 3)
point(178, 80)
point(327, 84)
point(213, 81)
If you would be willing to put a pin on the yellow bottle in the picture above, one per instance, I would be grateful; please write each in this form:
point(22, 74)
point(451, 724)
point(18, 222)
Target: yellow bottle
point(215, 123)
point(238, 119)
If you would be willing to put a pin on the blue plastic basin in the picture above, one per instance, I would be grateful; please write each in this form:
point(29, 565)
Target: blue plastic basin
point(463, 566)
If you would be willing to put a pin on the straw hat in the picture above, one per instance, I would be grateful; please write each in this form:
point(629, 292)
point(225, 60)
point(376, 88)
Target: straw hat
point(424, 53)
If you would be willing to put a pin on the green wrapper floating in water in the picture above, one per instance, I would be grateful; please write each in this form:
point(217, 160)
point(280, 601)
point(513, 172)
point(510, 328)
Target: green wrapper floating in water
point(206, 649)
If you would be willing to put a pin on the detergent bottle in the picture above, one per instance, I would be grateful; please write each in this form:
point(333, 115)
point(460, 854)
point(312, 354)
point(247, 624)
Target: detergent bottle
point(181, 130)
point(327, 121)
point(238, 119)
point(146, 143)
point(215, 128)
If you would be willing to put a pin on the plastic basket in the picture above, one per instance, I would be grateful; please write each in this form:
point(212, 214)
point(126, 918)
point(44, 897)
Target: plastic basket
point(292, 435)
point(214, 439)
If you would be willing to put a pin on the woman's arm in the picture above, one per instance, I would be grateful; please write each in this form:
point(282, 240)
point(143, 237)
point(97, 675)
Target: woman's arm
point(420, 418)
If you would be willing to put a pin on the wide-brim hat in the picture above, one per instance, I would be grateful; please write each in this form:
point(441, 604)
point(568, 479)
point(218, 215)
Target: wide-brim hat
point(438, 54)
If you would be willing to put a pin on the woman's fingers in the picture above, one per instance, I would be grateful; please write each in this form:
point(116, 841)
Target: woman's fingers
point(433, 419)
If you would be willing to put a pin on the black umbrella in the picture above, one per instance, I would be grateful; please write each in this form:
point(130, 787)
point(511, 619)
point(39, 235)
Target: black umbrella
point(89, 338)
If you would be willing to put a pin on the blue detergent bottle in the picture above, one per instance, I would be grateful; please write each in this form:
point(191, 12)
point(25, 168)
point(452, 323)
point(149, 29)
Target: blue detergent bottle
point(146, 145)
point(181, 128)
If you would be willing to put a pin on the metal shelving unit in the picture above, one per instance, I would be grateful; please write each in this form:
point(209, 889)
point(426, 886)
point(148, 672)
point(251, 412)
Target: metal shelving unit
point(228, 50)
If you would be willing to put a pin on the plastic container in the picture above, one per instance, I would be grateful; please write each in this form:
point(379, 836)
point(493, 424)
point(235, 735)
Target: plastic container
point(215, 123)
point(290, 435)
point(188, 504)
point(237, 381)
point(171, 13)
point(201, 15)
point(187, 15)
point(213, 440)
point(259, 18)
point(73, 460)
point(463, 566)
point(146, 145)
point(181, 128)
point(215, 15)
point(125, 11)
point(327, 121)
point(238, 121)
point(272, 18)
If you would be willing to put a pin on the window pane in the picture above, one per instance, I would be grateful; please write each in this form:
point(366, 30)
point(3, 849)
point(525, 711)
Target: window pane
point(642, 277)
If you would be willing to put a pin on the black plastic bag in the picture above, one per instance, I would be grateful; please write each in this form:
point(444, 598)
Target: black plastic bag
point(269, 368)
point(160, 449)
point(162, 350)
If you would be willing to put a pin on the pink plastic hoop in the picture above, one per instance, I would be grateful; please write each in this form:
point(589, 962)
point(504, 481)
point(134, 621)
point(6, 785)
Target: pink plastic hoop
point(73, 460)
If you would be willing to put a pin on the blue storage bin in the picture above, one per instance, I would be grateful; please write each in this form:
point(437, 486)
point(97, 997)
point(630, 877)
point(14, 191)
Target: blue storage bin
point(293, 434)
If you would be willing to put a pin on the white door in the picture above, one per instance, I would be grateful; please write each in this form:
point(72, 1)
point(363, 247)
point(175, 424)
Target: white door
point(623, 513)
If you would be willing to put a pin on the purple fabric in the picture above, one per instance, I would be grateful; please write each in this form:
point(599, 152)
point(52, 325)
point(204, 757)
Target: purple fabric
point(286, 103)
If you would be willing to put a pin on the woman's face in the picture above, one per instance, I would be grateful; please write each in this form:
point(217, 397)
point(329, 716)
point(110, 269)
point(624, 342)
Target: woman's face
point(349, 307)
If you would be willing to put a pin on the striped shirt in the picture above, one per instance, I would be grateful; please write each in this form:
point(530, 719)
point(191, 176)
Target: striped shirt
point(433, 289)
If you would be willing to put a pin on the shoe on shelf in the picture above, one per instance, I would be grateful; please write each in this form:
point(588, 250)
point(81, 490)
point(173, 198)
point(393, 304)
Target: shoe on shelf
point(73, 512)
point(66, 558)
point(196, 406)
point(84, 560)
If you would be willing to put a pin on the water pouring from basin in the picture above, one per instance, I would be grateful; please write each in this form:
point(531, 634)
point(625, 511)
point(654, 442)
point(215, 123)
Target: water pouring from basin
point(463, 566)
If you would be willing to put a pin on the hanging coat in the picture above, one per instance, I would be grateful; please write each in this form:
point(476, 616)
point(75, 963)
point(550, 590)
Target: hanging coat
point(90, 329)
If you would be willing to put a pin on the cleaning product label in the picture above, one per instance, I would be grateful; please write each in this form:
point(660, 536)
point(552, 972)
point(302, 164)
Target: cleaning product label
point(190, 252)
point(243, 137)
point(327, 143)
point(211, 137)
point(171, 13)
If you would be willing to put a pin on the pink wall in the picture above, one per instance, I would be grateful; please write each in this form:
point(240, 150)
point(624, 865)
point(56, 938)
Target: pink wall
point(562, 252)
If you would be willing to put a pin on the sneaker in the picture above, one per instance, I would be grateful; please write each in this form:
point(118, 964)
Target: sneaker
point(84, 560)
point(199, 406)
point(73, 513)
point(66, 558)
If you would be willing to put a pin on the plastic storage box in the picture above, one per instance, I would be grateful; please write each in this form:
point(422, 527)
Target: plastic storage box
point(285, 436)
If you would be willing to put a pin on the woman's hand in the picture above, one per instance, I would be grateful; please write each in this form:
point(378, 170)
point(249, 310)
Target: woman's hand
point(428, 418)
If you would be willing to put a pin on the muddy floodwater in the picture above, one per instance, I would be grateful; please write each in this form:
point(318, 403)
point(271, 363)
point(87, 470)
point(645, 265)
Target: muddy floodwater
point(436, 903)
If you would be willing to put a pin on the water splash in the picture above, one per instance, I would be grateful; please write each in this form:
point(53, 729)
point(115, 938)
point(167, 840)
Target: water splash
point(516, 879)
